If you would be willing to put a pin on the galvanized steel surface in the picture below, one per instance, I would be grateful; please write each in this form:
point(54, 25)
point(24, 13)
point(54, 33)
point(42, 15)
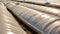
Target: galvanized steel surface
point(34, 19)
point(43, 2)
point(8, 24)
point(49, 10)
point(51, 1)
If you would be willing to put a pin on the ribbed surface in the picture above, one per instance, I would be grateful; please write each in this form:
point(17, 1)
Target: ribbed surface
point(54, 1)
point(8, 25)
point(50, 3)
point(37, 20)
point(41, 8)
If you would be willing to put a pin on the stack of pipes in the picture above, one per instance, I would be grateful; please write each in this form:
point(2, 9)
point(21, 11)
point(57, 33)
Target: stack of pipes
point(8, 24)
point(41, 19)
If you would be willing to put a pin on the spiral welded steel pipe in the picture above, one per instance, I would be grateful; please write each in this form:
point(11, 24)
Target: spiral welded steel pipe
point(8, 24)
point(38, 21)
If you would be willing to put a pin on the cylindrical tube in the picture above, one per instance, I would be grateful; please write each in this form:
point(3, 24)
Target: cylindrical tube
point(49, 10)
point(40, 2)
point(38, 21)
point(8, 24)
point(32, 1)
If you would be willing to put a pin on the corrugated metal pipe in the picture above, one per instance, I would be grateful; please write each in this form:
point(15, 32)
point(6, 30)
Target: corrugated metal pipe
point(40, 2)
point(45, 9)
point(8, 24)
point(38, 21)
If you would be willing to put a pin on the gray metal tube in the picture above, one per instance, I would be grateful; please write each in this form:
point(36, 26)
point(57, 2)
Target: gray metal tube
point(8, 24)
point(38, 21)
point(42, 2)
point(49, 10)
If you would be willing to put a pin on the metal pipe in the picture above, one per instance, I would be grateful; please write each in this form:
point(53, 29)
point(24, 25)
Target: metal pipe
point(38, 21)
point(49, 10)
point(8, 24)
point(44, 3)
